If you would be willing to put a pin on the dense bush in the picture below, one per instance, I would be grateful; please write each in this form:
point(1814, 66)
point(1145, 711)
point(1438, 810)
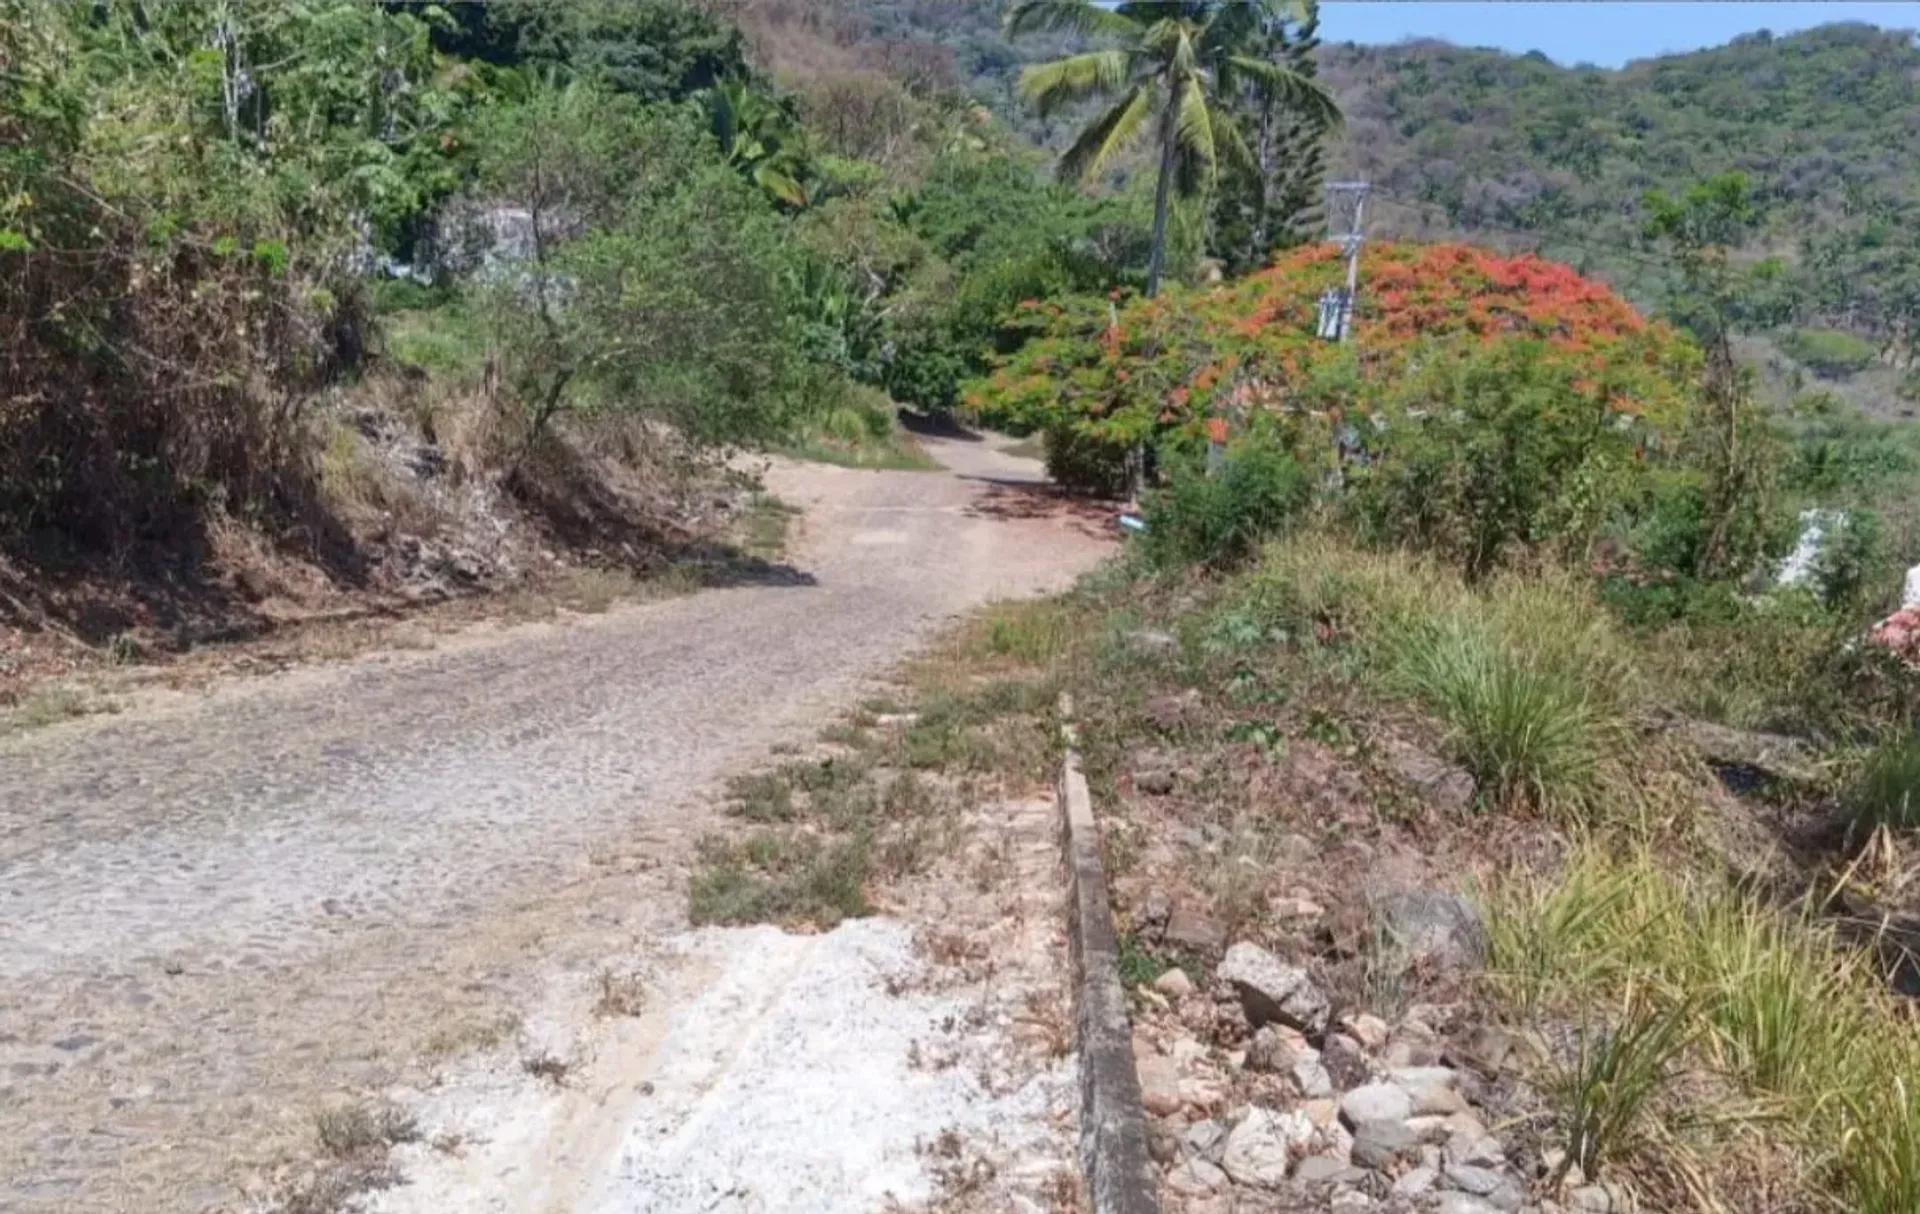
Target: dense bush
point(1137, 367)
point(1220, 518)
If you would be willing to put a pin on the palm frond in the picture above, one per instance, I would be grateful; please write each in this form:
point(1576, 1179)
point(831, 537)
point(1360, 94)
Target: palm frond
point(1083, 17)
point(1108, 134)
point(1199, 157)
point(1048, 86)
point(1302, 94)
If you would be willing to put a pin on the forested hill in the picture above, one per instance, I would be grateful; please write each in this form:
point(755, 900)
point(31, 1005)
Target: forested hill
point(1514, 149)
point(1517, 152)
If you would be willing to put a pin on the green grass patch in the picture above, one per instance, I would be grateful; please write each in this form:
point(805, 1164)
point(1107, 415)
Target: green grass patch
point(781, 877)
point(762, 532)
point(1887, 792)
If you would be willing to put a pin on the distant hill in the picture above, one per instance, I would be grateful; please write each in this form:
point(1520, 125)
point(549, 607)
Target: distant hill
point(1517, 152)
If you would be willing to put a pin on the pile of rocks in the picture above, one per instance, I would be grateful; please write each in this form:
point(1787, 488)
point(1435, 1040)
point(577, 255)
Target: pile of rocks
point(1294, 1109)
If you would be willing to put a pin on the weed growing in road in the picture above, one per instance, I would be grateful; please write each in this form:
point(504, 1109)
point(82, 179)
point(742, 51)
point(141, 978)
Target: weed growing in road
point(763, 531)
point(357, 1129)
point(546, 1066)
point(780, 877)
point(621, 995)
point(48, 707)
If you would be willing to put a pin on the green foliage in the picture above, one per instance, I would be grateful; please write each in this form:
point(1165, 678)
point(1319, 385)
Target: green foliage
point(652, 50)
point(1476, 143)
point(1532, 734)
point(1609, 1092)
point(656, 287)
point(995, 237)
point(1887, 791)
point(1174, 71)
point(1494, 453)
point(1219, 519)
point(1271, 198)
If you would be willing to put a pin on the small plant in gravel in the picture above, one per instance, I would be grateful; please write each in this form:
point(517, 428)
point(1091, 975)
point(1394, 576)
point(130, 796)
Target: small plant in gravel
point(357, 1129)
point(621, 995)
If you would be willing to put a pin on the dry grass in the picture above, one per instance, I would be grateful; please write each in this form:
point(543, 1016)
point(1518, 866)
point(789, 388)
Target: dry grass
point(620, 995)
point(357, 1129)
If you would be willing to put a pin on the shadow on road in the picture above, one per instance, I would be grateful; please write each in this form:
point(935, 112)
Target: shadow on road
point(1008, 499)
point(938, 425)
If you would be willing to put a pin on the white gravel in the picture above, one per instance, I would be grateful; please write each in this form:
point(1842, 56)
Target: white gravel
point(805, 1074)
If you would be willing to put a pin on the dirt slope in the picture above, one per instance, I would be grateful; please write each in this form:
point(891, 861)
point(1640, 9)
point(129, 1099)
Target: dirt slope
point(221, 912)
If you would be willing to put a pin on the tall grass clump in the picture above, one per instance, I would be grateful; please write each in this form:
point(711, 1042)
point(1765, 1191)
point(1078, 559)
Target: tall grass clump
point(1887, 792)
point(1533, 684)
point(1532, 737)
point(1773, 1002)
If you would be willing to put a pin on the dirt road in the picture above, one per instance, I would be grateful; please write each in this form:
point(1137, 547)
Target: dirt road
point(220, 912)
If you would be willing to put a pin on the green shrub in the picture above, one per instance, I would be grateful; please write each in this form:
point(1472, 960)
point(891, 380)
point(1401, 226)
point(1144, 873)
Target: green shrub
point(1086, 464)
point(1220, 519)
point(1854, 560)
point(1490, 454)
point(1887, 792)
point(1830, 353)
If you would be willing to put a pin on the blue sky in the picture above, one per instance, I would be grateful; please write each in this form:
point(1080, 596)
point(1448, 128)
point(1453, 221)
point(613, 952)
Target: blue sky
point(1609, 32)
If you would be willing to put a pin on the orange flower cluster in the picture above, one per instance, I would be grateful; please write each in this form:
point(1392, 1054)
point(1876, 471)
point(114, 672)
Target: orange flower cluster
point(1183, 357)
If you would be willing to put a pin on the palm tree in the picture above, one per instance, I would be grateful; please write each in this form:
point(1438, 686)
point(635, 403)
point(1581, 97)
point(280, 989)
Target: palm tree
point(1174, 65)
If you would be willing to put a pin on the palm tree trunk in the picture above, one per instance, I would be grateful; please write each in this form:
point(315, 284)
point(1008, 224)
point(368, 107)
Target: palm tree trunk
point(1163, 193)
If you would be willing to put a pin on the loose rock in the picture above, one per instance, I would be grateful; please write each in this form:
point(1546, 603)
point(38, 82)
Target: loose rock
point(1463, 1203)
point(1416, 1183)
point(1319, 1169)
point(1205, 1138)
point(1381, 1144)
point(1440, 929)
point(1195, 932)
point(1154, 781)
point(1368, 1030)
point(1440, 783)
point(1469, 1179)
point(1174, 984)
point(1376, 1102)
point(1259, 1149)
point(1311, 1079)
point(1159, 1085)
point(1196, 1178)
point(1272, 991)
point(1346, 1064)
point(1273, 1050)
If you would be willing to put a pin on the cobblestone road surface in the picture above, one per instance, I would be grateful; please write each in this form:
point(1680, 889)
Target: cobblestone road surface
point(219, 913)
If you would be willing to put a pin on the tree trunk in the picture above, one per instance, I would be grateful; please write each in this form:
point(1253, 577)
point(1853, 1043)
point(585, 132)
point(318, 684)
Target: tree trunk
point(1169, 145)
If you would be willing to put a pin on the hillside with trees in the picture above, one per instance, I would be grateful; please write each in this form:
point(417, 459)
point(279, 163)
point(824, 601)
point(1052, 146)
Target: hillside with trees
point(1518, 153)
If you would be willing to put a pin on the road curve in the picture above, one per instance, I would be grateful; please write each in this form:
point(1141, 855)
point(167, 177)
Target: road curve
point(220, 912)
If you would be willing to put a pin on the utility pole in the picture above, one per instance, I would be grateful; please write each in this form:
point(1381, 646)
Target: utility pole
point(1346, 213)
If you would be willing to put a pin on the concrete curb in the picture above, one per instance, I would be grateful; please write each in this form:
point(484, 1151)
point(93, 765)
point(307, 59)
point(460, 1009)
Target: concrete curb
point(1120, 1175)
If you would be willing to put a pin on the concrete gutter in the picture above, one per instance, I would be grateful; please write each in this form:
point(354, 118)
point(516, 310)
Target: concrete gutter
point(1120, 1175)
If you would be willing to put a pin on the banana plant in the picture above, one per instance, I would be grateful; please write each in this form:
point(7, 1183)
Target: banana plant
point(762, 138)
